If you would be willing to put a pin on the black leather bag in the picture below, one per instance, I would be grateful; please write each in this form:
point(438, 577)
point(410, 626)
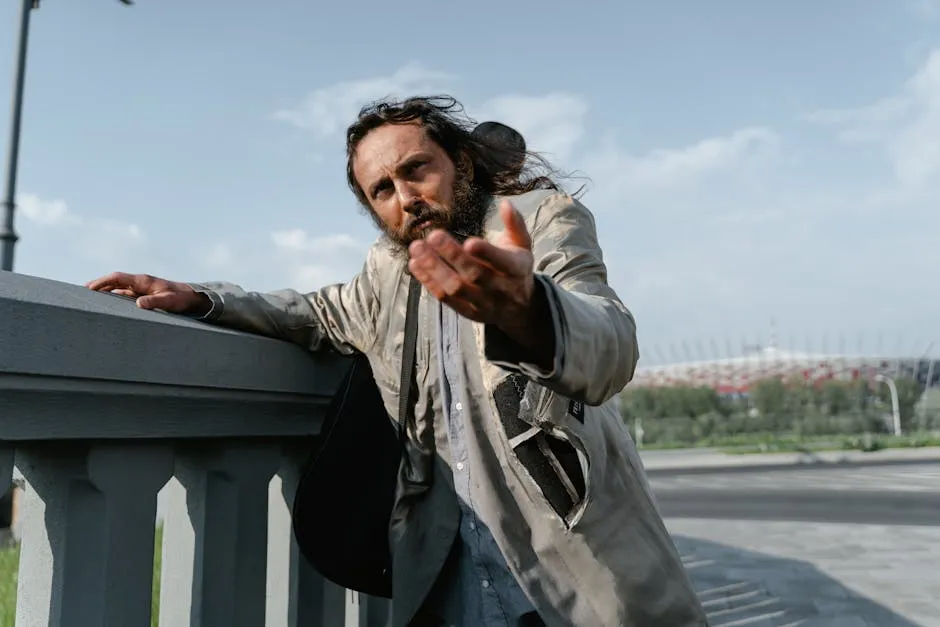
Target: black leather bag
point(343, 504)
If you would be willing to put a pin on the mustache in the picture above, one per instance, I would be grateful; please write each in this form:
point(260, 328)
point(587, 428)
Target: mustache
point(423, 212)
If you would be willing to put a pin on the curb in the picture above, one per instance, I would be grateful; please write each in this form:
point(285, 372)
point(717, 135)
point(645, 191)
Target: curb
point(723, 463)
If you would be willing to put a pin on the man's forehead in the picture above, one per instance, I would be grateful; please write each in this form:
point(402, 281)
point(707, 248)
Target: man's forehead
point(384, 147)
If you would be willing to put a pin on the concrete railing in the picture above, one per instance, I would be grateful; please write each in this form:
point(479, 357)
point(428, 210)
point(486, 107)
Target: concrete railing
point(102, 407)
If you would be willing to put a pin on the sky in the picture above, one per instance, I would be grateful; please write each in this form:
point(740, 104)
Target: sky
point(758, 171)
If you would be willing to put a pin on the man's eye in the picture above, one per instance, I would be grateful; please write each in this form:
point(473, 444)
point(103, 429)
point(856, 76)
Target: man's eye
point(413, 168)
point(381, 191)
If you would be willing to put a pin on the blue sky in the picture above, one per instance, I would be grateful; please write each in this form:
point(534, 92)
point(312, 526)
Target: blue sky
point(749, 161)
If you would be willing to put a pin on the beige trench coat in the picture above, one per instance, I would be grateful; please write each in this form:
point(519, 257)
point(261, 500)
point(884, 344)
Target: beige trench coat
point(598, 554)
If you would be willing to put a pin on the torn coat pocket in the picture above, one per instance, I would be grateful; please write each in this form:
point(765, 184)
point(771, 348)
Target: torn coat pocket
point(551, 461)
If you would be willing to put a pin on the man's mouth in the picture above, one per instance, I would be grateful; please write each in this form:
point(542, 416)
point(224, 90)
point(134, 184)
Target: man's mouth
point(422, 225)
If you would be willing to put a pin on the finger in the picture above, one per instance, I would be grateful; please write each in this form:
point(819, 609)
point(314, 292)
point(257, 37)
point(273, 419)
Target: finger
point(140, 283)
point(424, 277)
point(109, 282)
point(447, 248)
point(516, 230)
point(435, 270)
point(509, 261)
point(125, 292)
point(440, 279)
point(464, 306)
point(168, 301)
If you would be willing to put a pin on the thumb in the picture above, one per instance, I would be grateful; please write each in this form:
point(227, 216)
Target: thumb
point(516, 231)
point(167, 301)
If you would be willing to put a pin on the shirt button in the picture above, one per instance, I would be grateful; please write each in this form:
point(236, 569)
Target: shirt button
point(486, 584)
point(459, 465)
point(473, 526)
point(459, 406)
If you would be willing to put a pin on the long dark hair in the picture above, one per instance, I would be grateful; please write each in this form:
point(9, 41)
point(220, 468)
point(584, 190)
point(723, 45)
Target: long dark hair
point(495, 172)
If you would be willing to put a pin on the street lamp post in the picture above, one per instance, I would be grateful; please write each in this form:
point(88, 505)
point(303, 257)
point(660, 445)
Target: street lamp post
point(930, 363)
point(8, 235)
point(895, 405)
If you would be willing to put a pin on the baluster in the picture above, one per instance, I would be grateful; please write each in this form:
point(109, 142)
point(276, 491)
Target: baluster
point(297, 595)
point(88, 533)
point(374, 611)
point(215, 547)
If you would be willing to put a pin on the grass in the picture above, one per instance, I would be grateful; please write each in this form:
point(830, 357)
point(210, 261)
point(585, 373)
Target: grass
point(9, 565)
point(157, 563)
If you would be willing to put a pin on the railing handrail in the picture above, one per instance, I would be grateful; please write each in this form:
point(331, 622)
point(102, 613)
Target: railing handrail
point(64, 346)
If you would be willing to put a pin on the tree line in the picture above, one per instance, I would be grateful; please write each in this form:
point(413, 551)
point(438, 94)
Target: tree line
point(699, 414)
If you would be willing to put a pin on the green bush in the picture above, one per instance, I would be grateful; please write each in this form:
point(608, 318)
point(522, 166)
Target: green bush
point(776, 411)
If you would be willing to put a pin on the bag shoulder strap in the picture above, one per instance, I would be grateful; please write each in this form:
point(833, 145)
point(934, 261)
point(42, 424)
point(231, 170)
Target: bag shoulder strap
point(408, 355)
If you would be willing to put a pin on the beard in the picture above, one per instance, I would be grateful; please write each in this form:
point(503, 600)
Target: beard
point(464, 220)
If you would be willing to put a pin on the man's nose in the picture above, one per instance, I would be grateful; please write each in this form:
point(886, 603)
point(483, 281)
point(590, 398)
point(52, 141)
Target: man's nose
point(408, 197)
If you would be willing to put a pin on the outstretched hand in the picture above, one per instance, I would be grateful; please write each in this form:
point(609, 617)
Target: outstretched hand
point(486, 282)
point(492, 283)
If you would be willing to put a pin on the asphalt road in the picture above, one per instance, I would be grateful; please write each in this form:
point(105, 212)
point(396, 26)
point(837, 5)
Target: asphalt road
point(890, 495)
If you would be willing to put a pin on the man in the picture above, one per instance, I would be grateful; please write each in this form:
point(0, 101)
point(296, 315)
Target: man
point(505, 141)
point(521, 346)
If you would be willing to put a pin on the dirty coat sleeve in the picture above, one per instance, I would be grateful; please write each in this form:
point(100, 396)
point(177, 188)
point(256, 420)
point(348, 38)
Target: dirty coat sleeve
point(595, 334)
point(340, 316)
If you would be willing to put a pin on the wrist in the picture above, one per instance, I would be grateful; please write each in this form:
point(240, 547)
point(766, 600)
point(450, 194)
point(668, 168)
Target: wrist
point(205, 304)
point(202, 306)
point(531, 327)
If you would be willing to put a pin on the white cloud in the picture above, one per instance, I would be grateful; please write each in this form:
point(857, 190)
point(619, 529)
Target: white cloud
point(47, 213)
point(288, 258)
point(219, 256)
point(874, 122)
point(310, 262)
point(552, 123)
point(722, 235)
point(715, 233)
point(672, 179)
point(927, 10)
point(315, 275)
point(669, 167)
point(111, 242)
point(906, 125)
point(328, 110)
point(90, 243)
point(297, 240)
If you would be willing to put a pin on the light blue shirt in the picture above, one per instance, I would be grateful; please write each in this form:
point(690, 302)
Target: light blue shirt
point(482, 592)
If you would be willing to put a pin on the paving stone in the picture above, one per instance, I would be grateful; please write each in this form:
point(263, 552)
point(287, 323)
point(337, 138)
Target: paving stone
point(752, 573)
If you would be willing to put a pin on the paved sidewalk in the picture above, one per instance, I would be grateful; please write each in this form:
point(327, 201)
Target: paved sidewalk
point(710, 459)
point(777, 574)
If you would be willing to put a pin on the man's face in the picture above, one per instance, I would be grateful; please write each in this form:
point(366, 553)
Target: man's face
point(413, 186)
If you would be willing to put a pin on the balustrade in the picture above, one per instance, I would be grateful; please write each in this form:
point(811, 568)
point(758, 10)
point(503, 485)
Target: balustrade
point(103, 407)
